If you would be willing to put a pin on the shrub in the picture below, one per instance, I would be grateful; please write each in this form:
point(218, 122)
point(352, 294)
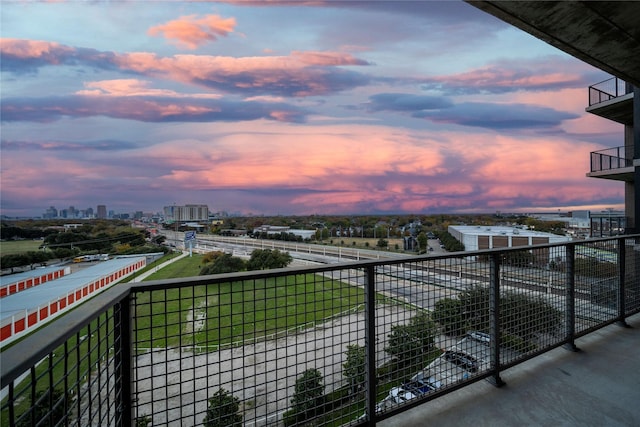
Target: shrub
point(223, 410)
point(308, 398)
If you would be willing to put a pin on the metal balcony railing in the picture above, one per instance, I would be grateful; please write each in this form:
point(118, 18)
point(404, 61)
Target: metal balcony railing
point(606, 90)
point(610, 159)
point(342, 344)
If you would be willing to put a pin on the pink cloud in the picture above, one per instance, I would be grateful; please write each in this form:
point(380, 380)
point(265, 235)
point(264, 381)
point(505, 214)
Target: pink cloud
point(299, 74)
point(514, 76)
point(328, 168)
point(363, 165)
point(134, 87)
point(326, 58)
point(33, 49)
point(192, 31)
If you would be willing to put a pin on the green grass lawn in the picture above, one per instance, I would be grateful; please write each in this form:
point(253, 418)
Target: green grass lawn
point(216, 314)
point(19, 246)
point(185, 267)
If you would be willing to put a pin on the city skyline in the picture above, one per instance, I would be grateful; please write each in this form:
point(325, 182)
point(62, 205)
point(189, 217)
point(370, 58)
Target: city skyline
point(324, 107)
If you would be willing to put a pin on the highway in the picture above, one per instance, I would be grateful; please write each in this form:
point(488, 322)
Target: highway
point(436, 279)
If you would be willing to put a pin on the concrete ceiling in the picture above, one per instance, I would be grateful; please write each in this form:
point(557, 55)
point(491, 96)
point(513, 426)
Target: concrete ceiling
point(605, 34)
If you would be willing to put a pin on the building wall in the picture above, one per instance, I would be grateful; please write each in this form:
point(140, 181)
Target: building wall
point(519, 241)
point(187, 213)
point(480, 238)
point(483, 242)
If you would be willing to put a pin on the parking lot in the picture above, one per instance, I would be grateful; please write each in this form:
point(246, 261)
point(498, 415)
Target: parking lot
point(467, 356)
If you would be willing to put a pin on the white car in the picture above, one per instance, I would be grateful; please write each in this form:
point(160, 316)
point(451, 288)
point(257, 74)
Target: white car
point(400, 395)
point(480, 336)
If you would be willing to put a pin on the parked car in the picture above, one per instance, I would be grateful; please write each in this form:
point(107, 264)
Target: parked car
point(400, 394)
point(462, 360)
point(480, 336)
point(417, 387)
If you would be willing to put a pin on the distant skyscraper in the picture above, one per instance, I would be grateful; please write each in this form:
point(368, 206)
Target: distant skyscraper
point(187, 213)
point(51, 212)
point(102, 212)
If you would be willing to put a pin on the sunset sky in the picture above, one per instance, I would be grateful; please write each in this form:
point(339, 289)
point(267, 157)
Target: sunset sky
point(305, 107)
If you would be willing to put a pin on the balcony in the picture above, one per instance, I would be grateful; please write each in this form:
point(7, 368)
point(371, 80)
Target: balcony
point(612, 163)
point(424, 331)
point(612, 99)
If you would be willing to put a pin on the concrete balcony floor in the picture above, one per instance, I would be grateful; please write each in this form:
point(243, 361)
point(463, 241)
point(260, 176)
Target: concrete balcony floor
point(597, 386)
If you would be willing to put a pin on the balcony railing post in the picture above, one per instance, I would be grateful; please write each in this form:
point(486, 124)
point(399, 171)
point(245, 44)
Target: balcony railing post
point(370, 344)
point(123, 355)
point(621, 283)
point(494, 319)
point(570, 300)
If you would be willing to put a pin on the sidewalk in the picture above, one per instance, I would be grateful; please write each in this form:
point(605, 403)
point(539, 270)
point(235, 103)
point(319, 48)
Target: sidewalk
point(148, 273)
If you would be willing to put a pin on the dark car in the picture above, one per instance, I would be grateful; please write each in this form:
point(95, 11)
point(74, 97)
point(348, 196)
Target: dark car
point(417, 387)
point(462, 360)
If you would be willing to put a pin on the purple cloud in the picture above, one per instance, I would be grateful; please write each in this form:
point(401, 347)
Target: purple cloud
point(498, 116)
point(146, 109)
point(407, 102)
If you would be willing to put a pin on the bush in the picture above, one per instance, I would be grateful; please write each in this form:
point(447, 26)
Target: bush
point(225, 263)
point(223, 410)
point(308, 398)
point(142, 421)
point(265, 259)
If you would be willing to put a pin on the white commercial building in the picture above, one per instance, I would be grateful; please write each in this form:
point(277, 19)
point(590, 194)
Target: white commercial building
point(278, 229)
point(477, 237)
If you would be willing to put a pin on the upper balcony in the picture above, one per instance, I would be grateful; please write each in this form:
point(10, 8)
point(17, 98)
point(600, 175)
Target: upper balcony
point(612, 99)
point(612, 163)
point(352, 343)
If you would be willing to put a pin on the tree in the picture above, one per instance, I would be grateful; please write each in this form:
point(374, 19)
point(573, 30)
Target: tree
point(450, 243)
point(14, 260)
point(63, 252)
point(521, 316)
point(307, 399)
point(354, 366)
point(423, 241)
point(37, 257)
point(265, 259)
point(409, 343)
point(223, 410)
point(226, 263)
point(448, 314)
